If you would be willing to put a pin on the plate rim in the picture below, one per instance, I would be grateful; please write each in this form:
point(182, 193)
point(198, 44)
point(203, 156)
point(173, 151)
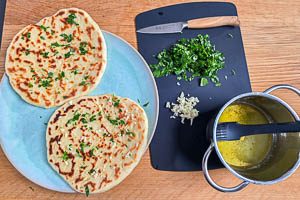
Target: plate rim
point(148, 143)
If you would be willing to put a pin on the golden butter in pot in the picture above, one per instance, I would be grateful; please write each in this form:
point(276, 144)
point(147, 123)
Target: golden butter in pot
point(249, 151)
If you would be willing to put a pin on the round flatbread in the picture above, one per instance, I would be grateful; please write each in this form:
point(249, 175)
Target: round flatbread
point(59, 58)
point(94, 142)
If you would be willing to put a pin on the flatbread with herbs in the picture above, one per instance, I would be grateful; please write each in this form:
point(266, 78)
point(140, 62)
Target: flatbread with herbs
point(59, 58)
point(94, 142)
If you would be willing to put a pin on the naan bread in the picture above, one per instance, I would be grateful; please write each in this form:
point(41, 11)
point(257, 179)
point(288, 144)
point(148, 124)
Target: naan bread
point(94, 142)
point(59, 58)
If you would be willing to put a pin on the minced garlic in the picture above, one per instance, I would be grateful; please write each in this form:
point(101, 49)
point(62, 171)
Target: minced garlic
point(184, 108)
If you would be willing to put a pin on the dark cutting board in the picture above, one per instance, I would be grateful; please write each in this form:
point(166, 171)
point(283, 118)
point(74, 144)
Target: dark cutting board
point(176, 146)
point(2, 12)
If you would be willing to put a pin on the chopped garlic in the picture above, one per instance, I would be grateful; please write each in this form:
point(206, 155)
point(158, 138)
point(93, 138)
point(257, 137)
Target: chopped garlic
point(184, 108)
point(168, 105)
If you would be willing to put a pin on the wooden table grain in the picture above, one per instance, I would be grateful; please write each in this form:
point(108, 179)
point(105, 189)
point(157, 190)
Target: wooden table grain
point(271, 35)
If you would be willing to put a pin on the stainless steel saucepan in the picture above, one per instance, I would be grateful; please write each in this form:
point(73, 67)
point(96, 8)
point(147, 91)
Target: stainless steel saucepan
point(283, 157)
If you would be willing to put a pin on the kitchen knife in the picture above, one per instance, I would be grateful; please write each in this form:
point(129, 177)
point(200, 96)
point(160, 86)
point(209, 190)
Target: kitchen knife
point(177, 27)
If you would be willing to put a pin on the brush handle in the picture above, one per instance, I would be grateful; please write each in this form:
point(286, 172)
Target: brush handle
point(246, 130)
point(210, 22)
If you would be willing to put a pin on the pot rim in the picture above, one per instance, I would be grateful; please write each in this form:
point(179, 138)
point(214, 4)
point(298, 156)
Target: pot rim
point(269, 96)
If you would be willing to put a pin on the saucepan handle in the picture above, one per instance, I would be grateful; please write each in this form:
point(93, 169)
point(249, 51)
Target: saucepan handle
point(283, 86)
point(212, 182)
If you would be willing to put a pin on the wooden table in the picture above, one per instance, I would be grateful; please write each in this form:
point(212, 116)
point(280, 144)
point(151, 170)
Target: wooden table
point(271, 34)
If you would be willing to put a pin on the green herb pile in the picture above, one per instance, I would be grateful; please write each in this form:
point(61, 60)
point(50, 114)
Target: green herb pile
point(190, 58)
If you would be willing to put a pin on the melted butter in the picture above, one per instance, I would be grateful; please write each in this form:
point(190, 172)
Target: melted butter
point(249, 151)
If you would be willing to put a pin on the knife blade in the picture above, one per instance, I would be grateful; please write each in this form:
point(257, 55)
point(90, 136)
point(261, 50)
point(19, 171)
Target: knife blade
point(177, 27)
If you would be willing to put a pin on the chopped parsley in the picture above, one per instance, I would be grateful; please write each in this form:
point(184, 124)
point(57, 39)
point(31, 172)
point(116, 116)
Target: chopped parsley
point(130, 133)
point(93, 118)
point(215, 80)
point(28, 35)
point(190, 58)
point(55, 44)
point(146, 104)
point(82, 48)
point(218, 84)
point(61, 75)
point(106, 134)
point(27, 52)
point(71, 52)
point(74, 118)
point(116, 101)
point(44, 28)
point(45, 83)
point(82, 145)
point(92, 171)
point(75, 72)
point(55, 53)
point(52, 32)
point(71, 19)
point(78, 153)
point(65, 156)
point(50, 74)
point(30, 85)
point(70, 147)
point(82, 83)
point(45, 54)
point(85, 114)
point(91, 152)
point(42, 37)
point(113, 121)
point(116, 121)
point(203, 81)
point(66, 37)
point(87, 190)
point(83, 120)
point(112, 140)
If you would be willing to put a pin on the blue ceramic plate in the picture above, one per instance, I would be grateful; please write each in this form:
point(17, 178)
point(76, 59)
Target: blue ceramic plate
point(23, 126)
